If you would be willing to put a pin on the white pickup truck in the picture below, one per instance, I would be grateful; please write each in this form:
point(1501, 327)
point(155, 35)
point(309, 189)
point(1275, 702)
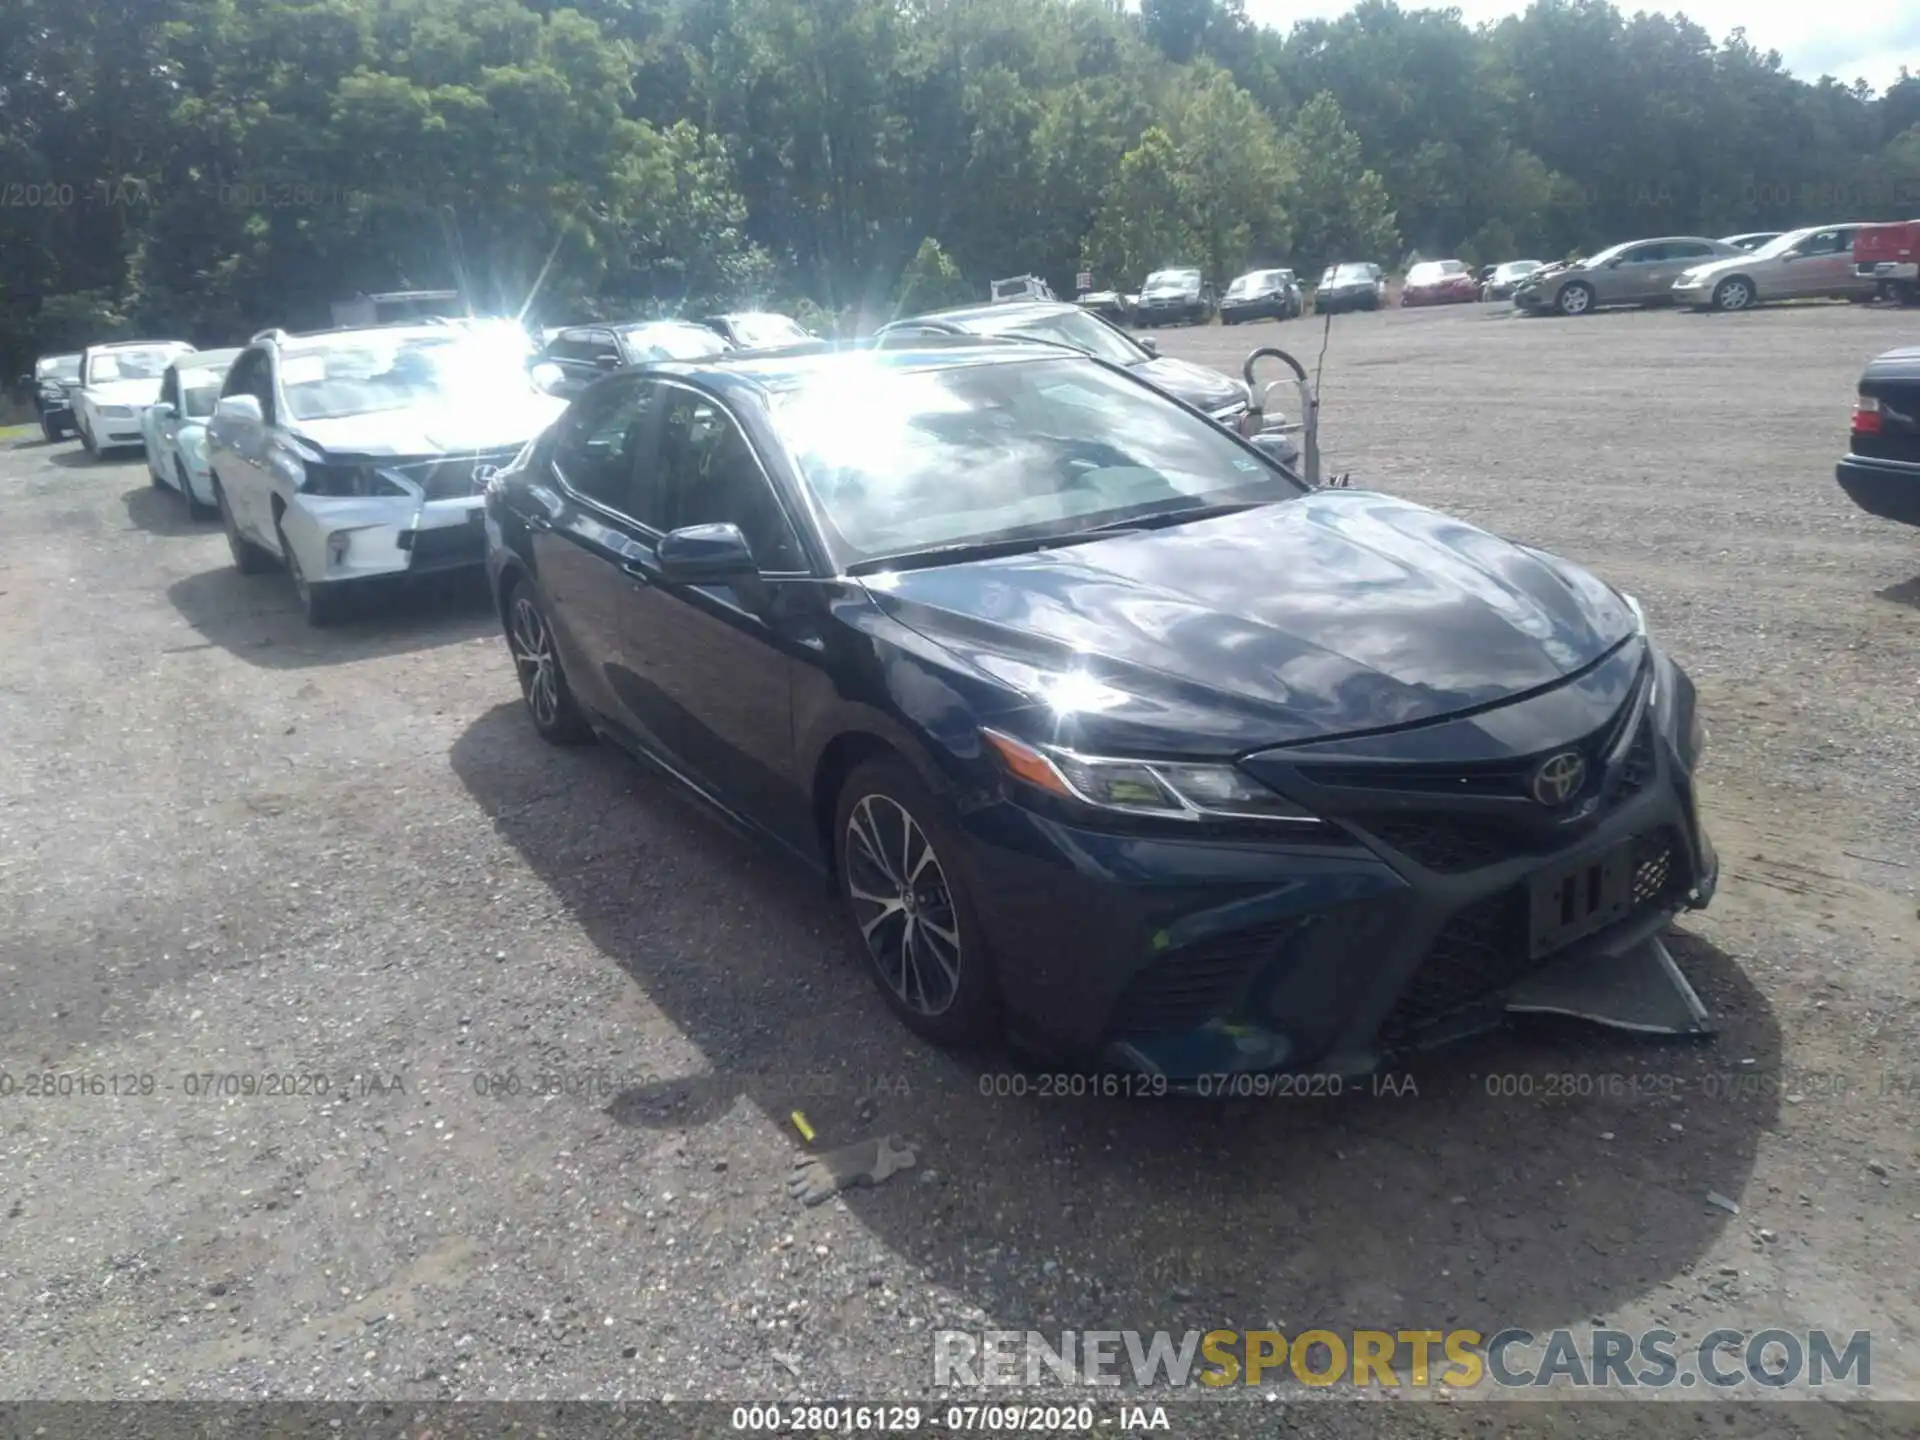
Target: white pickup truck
point(1021, 287)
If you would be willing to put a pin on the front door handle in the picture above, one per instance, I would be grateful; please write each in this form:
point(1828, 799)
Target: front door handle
point(537, 521)
point(636, 571)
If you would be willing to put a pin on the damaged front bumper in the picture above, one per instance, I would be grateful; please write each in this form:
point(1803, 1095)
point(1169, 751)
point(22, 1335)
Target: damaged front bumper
point(347, 539)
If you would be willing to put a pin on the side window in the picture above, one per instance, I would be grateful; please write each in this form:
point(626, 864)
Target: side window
point(1689, 250)
point(250, 376)
point(170, 388)
point(599, 346)
point(1823, 242)
point(1644, 255)
point(706, 472)
point(566, 347)
point(601, 439)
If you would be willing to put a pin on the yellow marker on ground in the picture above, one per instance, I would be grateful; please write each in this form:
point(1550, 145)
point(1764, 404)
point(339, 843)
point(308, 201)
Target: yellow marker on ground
point(800, 1124)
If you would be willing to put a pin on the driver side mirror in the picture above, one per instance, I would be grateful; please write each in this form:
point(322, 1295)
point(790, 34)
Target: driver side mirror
point(1148, 344)
point(607, 362)
point(716, 554)
point(161, 409)
point(237, 409)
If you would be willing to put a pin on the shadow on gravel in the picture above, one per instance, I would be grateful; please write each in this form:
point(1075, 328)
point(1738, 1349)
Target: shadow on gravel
point(75, 457)
point(1907, 592)
point(1487, 1199)
point(160, 512)
point(257, 618)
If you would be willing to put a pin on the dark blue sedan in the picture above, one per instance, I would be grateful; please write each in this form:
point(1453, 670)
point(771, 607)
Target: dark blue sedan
point(1116, 739)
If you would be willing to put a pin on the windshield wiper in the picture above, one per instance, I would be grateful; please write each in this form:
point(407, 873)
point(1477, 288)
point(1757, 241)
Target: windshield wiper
point(961, 550)
point(1155, 519)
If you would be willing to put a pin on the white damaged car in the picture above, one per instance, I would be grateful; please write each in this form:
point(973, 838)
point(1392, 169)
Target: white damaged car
point(117, 383)
point(175, 427)
point(351, 456)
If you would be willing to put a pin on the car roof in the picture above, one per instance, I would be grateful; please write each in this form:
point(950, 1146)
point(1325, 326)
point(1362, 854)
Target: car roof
point(319, 339)
point(62, 355)
point(206, 359)
point(773, 371)
point(1005, 310)
point(139, 344)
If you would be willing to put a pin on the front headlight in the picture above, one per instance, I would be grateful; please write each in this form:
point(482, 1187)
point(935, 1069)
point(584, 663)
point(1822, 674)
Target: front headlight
point(116, 412)
point(348, 481)
point(1687, 277)
point(1173, 790)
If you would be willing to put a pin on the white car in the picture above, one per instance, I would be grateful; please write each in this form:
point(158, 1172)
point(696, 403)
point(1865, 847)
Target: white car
point(175, 427)
point(117, 382)
point(355, 455)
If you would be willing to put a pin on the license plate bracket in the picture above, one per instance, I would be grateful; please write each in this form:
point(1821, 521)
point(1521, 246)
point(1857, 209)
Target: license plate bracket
point(1578, 898)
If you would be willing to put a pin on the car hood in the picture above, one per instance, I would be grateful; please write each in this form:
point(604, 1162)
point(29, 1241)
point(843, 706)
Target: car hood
point(1340, 612)
point(125, 392)
point(460, 427)
point(1719, 265)
point(1200, 387)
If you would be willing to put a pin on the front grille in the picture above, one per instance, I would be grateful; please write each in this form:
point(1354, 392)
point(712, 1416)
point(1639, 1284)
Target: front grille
point(1454, 844)
point(1183, 989)
point(451, 478)
point(1483, 948)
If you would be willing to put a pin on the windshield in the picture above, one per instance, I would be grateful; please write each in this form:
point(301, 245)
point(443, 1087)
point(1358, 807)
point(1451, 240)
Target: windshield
point(1780, 245)
point(198, 390)
point(57, 367)
point(1065, 327)
point(671, 342)
point(1517, 267)
point(1349, 275)
point(1162, 280)
point(764, 331)
point(369, 372)
point(146, 362)
point(1256, 281)
point(904, 460)
point(1434, 270)
point(1601, 257)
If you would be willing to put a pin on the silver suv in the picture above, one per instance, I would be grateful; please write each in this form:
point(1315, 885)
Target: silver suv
point(353, 455)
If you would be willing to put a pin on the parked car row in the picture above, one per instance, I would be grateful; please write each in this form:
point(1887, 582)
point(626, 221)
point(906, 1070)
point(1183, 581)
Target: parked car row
point(1730, 274)
point(885, 604)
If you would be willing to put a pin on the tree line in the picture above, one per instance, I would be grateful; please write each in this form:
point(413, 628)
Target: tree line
point(210, 167)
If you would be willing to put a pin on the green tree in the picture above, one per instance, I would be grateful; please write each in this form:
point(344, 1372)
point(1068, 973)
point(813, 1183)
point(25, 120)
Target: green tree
point(1340, 209)
point(1231, 172)
point(931, 281)
point(1142, 224)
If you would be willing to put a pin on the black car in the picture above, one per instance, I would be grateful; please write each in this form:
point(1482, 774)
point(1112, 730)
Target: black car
point(759, 330)
point(1112, 735)
point(1262, 294)
point(1220, 397)
point(1881, 470)
point(583, 353)
point(1350, 287)
point(1175, 297)
point(49, 384)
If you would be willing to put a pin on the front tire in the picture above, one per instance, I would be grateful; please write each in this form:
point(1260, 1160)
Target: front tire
point(86, 441)
point(556, 715)
point(50, 430)
point(1575, 298)
point(322, 604)
point(897, 853)
point(248, 558)
point(197, 509)
point(1732, 294)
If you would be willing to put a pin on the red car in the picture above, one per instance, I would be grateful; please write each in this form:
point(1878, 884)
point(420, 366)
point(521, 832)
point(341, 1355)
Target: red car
point(1440, 282)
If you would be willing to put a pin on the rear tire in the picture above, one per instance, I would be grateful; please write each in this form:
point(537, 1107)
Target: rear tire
point(50, 430)
point(898, 872)
point(248, 558)
point(556, 715)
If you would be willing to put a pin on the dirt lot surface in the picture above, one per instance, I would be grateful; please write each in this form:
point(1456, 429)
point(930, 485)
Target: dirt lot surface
point(232, 846)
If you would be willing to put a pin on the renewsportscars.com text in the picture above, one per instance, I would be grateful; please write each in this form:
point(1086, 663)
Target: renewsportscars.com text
point(1592, 1358)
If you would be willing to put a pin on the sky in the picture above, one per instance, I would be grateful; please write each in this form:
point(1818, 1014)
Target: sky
point(1860, 39)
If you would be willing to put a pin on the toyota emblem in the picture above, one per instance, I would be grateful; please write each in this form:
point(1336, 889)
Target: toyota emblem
point(1559, 778)
point(483, 473)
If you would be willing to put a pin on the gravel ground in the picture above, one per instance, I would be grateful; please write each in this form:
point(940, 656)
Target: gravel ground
point(230, 845)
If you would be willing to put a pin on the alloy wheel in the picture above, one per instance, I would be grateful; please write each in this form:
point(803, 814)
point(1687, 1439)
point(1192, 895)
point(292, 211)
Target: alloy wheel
point(1575, 299)
point(1733, 295)
point(903, 905)
point(532, 647)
